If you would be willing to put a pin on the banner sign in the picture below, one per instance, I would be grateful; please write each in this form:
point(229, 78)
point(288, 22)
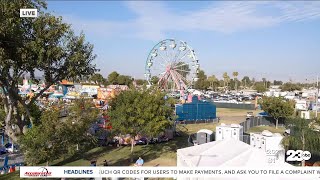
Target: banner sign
point(167, 172)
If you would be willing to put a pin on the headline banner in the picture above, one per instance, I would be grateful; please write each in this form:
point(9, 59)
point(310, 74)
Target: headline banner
point(167, 172)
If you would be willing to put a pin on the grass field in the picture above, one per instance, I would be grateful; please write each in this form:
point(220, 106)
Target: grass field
point(227, 112)
point(163, 154)
point(269, 128)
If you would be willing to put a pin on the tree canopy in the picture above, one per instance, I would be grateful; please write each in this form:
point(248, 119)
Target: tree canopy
point(290, 87)
point(183, 68)
point(202, 82)
point(113, 77)
point(56, 137)
point(124, 80)
point(246, 81)
point(226, 78)
point(214, 82)
point(277, 83)
point(133, 112)
point(302, 136)
point(154, 80)
point(277, 107)
point(260, 87)
point(141, 82)
point(116, 78)
point(45, 44)
point(98, 78)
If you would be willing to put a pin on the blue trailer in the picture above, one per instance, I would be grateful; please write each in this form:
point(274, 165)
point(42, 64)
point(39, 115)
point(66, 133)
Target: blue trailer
point(196, 110)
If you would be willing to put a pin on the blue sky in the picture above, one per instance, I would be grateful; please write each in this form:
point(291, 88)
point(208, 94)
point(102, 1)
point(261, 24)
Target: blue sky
point(272, 39)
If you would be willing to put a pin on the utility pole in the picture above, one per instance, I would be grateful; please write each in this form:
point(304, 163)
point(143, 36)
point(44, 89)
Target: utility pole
point(317, 96)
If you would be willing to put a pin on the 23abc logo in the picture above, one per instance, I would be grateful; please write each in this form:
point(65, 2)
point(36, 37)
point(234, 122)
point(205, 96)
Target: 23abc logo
point(298, 155)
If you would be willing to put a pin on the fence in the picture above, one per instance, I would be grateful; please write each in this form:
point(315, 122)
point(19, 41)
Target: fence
point(198, 121)
point(256, 121)
point(260, 121)
point(235, 106)
point(246, 138)
point(193, 137)
point(13, 159)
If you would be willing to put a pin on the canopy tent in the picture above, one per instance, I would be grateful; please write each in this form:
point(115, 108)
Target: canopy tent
point(224, 153)
point(229, 152)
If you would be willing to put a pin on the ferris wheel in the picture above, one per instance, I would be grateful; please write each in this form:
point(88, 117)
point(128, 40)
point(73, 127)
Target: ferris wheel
point(172, 65)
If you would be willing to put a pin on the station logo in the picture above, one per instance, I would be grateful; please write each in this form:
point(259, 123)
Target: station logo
point(42, 172)
point(29, 13)
point(298, 155)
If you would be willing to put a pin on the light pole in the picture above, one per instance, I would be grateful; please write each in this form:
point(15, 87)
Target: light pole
point(317, 96)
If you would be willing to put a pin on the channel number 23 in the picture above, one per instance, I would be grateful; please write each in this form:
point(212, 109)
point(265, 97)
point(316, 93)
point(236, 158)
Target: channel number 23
point(298, 155)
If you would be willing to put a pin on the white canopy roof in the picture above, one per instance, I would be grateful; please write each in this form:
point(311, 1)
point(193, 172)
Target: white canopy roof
point(207, 131)
point(229, 152)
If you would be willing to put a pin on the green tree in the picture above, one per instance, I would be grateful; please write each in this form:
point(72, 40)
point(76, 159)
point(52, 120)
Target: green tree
point(98, 79)
point(235, 75)
point(302, 136)
point(55, 137)
point(290, 87)
point(214, 82)
point(140, 112)
point(246, 81)
point(2, 112)
point(183, 69)
point(221, 83)
point(141, 82)
point(268, 84)
point(113, 78)
point(253, 81)
point(124, 80)
point(277, 107)
point(154, 80)
point(264, 80)
point(202, 82)
point(233, 84)
point(259, 86)
point(277, 83)
point(226, 79)
point(43, 44)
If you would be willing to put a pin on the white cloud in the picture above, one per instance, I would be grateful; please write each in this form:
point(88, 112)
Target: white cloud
point(299, 11)
point(154, 19)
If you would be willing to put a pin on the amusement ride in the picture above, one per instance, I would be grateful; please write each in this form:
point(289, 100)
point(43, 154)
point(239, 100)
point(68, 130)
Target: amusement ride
point(173, 65)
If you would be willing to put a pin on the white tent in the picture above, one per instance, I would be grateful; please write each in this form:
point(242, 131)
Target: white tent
point(224, 153)
point(229, 152)
point(197, 92)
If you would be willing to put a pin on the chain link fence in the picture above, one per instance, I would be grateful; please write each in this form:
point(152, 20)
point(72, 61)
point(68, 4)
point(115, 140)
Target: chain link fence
point(260, 121)
point(234, 105)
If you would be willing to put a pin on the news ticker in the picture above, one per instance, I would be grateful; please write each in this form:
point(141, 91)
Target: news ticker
point(167, 172)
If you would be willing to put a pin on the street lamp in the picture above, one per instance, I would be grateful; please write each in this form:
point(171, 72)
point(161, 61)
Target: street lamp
point(317, 96)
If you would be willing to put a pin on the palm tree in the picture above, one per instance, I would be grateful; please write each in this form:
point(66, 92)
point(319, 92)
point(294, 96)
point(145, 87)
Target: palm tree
point(264, 80)
point(212, 79)
point(226, 78)
point(235, 75)
point(302, 136)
